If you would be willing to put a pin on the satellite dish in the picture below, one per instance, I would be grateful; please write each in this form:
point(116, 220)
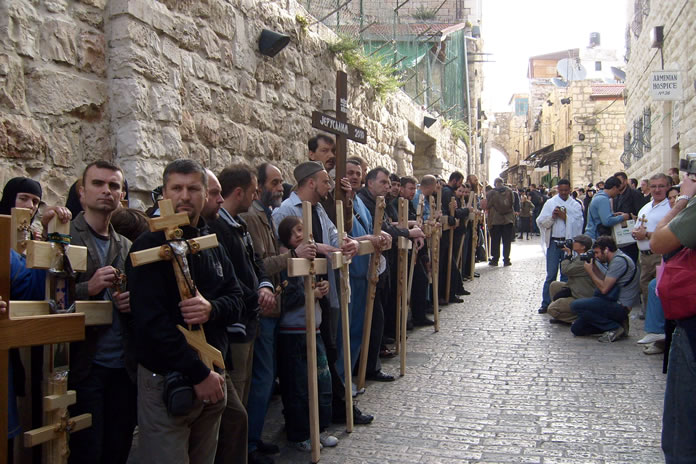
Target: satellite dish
point(571, 69)
point(559, 82)
point(619, 74)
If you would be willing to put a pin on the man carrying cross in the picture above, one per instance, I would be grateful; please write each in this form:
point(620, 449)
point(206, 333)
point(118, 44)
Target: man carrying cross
point(102, 368)
point(161, 349)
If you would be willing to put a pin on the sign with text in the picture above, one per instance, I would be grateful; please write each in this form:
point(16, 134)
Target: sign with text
point(666, 85)
point(334, 126)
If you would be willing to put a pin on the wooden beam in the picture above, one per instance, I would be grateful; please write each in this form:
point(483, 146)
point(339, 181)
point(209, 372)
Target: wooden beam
point(208, 354)
point(41, 330)
point(95, 312)
point(21, 219)
point(365, 247)
point(299, 267)
point(51, 402)
point(41, 255)
point(151, 255)
point(53, 431)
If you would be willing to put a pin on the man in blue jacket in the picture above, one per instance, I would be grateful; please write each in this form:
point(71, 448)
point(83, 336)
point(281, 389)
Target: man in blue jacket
point(600, 218)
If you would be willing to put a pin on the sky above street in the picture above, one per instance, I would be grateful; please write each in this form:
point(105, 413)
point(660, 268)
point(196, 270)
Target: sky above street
point(515, 30)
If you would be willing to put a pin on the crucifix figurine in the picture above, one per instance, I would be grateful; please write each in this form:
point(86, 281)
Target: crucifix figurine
point(175, 250)
point(309, 268)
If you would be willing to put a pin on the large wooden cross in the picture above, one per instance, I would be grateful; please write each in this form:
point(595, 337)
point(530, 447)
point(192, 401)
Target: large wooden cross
point(450, 250)
point(419, 223)
point(373, 278)
point(175, 250)
point(29, 323)
point(339, 261)
point(339, 126)
point(402, 285)
point(309, 268)
point(435, 234)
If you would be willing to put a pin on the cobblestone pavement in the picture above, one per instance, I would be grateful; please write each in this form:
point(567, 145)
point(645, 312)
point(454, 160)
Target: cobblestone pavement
point(498, 383)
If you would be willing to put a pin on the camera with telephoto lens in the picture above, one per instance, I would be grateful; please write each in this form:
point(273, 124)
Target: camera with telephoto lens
point(567, 243)
point(688, 165)
point(587, 257)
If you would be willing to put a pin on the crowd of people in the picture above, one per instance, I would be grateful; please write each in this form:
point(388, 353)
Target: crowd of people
point(133, 370)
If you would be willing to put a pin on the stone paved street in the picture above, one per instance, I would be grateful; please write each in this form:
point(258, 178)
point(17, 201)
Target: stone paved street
point(499, 383)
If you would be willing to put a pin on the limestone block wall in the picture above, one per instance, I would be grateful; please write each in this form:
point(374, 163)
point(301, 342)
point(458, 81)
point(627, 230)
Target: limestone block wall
point(673, 131)
point(144, 82)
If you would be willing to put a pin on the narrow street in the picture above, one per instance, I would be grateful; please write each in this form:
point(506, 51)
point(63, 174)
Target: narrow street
point(498, 383)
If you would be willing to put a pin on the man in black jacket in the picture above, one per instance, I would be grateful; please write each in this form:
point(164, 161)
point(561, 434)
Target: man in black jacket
point(239, 186)
point(630, 201)
point(161, 349)
point(456, 286)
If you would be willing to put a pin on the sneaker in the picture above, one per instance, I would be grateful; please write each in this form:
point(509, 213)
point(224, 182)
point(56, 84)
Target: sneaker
point(328, 440)
point(651, 338)
point(611, 336)
point(654, 348)
point(492, 263)
point(305, 446)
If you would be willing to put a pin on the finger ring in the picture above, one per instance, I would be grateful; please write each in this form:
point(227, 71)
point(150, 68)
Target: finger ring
point(206, 401)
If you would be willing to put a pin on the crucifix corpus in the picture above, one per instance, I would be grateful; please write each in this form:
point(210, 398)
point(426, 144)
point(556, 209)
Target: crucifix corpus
point(373, 276)
point(343, 130)
point(175, 250)
point(450, 250)
point(309, 268)
point(54, 322)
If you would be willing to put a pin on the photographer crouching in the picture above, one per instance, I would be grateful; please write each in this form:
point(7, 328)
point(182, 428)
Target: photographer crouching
point(579, 284)
point(618, 290)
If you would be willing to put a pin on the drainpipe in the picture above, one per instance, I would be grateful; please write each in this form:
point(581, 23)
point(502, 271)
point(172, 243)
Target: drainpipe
point(468, 105)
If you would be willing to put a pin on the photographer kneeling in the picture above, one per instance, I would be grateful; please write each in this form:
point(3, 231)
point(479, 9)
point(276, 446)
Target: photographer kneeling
point(579, 284)
point(617, 292)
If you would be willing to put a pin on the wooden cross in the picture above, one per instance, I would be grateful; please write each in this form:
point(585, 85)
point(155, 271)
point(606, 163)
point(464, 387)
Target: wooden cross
point(373, 278)
point(339, 126)
point(42, 329)
point(402, 285)
point(419, 221)
point(309, 268)
point(450, 250)
point(175, 250)
point(474, 242)
point(339, 261)
point(436, 233)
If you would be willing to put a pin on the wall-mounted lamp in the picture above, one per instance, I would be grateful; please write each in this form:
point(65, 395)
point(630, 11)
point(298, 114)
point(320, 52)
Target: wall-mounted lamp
point(657, 36)
point(549, 102)
point(581, 136)
point(530, 137)
point(428, 121)
point(271, 42)
point(565, 101)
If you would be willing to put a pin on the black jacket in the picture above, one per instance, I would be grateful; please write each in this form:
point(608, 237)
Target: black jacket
point(459, 213)
point(154, 299)
point(387, 226)
point(248, 266)
point(630, 201)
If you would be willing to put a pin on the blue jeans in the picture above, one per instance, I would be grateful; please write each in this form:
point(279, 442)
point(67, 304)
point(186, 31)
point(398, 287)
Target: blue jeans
point(654, 315)
point(679, 417)
point(358, 295)
point(554, 254)
point(596, 315)
point(263, 374)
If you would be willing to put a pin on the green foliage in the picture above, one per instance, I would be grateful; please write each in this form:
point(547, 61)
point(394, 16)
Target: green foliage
point(382, 77)
point(458, 128)
point(303, 22)
point(424, 14)
point(549, 181)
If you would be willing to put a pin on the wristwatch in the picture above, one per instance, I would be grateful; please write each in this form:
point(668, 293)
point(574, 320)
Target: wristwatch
point(683, 197)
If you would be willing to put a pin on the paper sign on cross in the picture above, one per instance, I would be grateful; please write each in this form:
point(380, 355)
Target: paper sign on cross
point(341, 128)
point(175, 250)
point(309, 268)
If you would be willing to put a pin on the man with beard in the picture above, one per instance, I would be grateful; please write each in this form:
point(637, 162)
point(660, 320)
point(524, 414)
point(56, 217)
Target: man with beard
point(449, 190)
point(501, 214)
point(239, 188)
point(322, 148)
point(161, 349)
point(630, 201)
point(260, 225)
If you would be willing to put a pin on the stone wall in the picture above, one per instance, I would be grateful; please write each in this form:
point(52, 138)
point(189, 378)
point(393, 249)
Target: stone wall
point(143, 82)
point(673, 128)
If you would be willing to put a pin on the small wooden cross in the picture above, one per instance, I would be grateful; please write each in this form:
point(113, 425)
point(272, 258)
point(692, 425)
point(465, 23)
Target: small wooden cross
point(175, 250)
point(339, 126)
point(450, 250)
point(402, 285)
point(373, 277)
point(309, 268)
point(44, 329)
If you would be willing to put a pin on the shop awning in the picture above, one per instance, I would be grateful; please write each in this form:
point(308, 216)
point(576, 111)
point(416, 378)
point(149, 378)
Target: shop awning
point(534, 156)
point(555, 157)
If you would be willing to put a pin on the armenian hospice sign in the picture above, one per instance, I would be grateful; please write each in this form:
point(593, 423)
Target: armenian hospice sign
point(666, 85)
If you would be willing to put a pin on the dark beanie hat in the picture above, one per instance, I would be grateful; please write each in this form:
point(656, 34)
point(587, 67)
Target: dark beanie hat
point(13, 187)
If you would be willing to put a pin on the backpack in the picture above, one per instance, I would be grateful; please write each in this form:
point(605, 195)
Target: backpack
point(502, 201)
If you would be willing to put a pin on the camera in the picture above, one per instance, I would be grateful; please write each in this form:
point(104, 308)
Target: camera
point(587, 257)
point(688, 165)
point(567, 243)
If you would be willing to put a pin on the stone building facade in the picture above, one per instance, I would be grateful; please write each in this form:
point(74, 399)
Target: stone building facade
point(577, 134)
point(143, 82)
point(661, 132)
